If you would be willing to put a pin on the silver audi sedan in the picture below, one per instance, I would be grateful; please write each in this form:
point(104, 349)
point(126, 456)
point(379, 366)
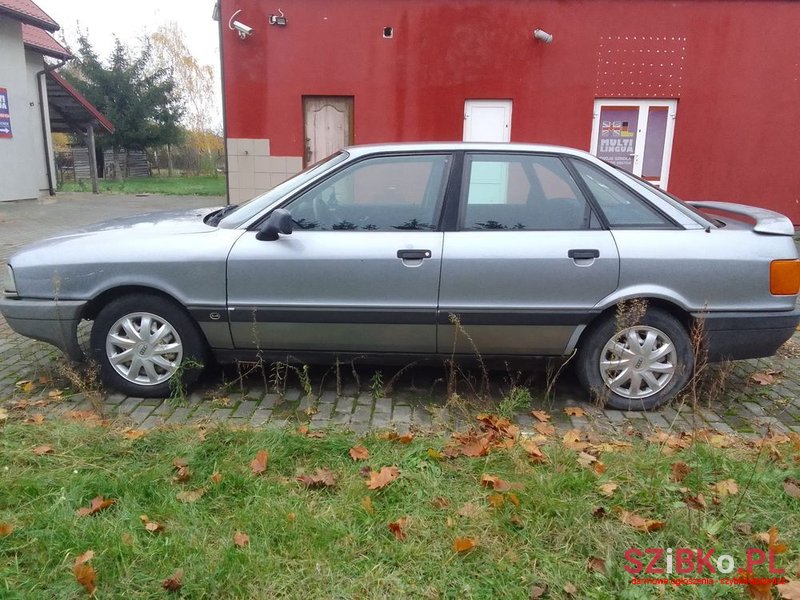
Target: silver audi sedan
point(389, 250)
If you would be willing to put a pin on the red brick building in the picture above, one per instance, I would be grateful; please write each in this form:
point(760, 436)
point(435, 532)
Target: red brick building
point(699, 96)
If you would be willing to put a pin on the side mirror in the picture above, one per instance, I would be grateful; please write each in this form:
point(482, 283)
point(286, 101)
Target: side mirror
point(280, 221)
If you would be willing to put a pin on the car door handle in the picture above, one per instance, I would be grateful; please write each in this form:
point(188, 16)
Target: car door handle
point(583, 254)
point(413, 254)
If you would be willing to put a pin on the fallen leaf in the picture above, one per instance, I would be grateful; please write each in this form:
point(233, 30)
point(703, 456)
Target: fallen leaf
point(464, 544)
point(398, 528)
point(596, 564)
point(25, 385)
point(695, 502)
point(476, 448)
point(792, 487)
point(6, 529)
point(771, 539)
point(608, 489)
point(512, 497)
point(321, 478)
point(679, 471)
point(744, 528)
point(435, 454)
point(574, 411)
point(535, 454)
point(599, 512)
point(306, 431)
point(55, 394)
point(291, 517)
point(440, 502)
point(380, 479)
point(759, 590)
point(259, 463)
point(36, 419)
point(86, 576)
point(570, 589)
point(789, 590)
point(151, 526)
point(640, 523)
point(216, 477)
point(182, 476)
point(174, 582)
point(393, 436)
point(496, 500)
point(498, 484)
point(540, 415)
point(42, 450)
point(765, 378)
point(191, 495)
point(585, 460)
point(95, 506)
point(3, 415)
point(133, 434)
point(545, 428)
point(359, 453)
point(572, 440)
point(366, 504)
point(537, 591)
point(727, 487)
point(516, 521)
point(241, 539)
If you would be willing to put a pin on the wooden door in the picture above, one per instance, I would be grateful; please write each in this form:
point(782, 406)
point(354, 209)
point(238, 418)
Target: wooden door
point(328, 123)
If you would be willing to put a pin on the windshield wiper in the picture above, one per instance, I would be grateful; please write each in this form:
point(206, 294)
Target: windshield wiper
point(216, 217)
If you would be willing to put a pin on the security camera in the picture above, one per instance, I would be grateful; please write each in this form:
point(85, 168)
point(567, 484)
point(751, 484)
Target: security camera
point(244, 30)
point(542, 36)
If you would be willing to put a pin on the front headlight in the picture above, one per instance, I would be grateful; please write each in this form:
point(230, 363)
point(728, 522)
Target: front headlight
point(9, 285)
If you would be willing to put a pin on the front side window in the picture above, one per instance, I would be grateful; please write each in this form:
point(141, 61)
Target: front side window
point(620, 205)
point(389, 193)
point(522, 192)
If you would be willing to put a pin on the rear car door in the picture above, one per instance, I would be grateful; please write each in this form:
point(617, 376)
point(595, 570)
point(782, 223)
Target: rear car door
point(529, 260)
point(359, 273)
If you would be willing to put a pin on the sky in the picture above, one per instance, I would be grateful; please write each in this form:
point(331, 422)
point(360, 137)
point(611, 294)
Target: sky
point(129, 21)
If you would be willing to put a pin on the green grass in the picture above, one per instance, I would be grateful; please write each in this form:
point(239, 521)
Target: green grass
point(337, 549)
point(203, 185)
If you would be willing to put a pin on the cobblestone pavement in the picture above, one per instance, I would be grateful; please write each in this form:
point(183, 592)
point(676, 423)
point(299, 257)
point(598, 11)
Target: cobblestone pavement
point(747, 397)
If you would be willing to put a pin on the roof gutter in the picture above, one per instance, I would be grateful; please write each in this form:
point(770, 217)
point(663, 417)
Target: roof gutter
point(48, 159)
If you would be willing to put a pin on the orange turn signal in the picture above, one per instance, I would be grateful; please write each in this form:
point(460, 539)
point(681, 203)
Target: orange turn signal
point(784, 277)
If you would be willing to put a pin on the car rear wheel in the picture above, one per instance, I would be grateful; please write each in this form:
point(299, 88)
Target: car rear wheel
point(144, 344)
point(636, 367)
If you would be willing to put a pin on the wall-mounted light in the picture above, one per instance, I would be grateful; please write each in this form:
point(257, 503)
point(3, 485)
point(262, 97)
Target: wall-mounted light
point(542, 36)
point(239, 27)
point(280, 19)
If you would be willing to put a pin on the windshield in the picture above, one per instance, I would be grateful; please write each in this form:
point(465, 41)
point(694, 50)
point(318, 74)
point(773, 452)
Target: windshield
point(246, 211)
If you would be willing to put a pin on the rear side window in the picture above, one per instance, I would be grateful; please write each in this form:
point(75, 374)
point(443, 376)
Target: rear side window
point(522, 192)
point(621, 206)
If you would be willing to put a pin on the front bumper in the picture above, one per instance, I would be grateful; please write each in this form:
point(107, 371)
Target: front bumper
point(740, 335)
point(51, 321)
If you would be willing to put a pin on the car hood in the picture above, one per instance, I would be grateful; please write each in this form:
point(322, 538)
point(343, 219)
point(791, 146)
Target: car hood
point(157, 222)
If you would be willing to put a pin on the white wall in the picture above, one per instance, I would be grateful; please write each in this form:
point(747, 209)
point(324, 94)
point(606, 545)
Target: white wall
point(22, 164)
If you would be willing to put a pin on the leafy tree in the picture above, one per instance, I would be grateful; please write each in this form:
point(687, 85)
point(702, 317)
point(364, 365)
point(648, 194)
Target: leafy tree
point(139, 98)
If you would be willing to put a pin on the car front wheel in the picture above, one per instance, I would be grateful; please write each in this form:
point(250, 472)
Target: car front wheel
point(636, 367)
point(145, 344)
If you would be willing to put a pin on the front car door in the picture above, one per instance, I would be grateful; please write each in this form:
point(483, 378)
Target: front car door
point(528, 262)
point(359, 273)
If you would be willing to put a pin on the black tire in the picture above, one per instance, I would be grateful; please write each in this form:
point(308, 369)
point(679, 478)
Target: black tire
point(184, 332)
point(593, 343)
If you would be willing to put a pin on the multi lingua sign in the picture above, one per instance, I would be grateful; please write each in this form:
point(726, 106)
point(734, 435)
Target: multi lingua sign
point(5, 116)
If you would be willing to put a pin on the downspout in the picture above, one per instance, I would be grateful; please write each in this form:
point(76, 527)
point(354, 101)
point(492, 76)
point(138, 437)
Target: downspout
point(45, 132)
point(218, 17)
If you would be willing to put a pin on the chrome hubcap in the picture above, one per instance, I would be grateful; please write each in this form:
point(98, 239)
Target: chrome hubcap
point(144, 348)
point(638, 362)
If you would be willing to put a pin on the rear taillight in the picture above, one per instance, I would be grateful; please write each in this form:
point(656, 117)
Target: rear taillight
point(784, 277)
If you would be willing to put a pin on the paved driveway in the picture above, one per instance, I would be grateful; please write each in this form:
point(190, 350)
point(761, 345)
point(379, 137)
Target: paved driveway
point(746, 396)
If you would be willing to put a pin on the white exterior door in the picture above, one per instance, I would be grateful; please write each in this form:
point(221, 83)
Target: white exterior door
point(488, 121)
point(636, 135)
point(328, 122)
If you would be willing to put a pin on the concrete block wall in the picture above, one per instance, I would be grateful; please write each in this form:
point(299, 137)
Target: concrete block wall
point(252, 170)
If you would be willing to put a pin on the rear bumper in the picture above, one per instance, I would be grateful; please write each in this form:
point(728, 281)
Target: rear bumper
point(740, 335)
point(51, 321)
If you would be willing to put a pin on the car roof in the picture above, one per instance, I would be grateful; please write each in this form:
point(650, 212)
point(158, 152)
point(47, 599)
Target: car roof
point(464, 146)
